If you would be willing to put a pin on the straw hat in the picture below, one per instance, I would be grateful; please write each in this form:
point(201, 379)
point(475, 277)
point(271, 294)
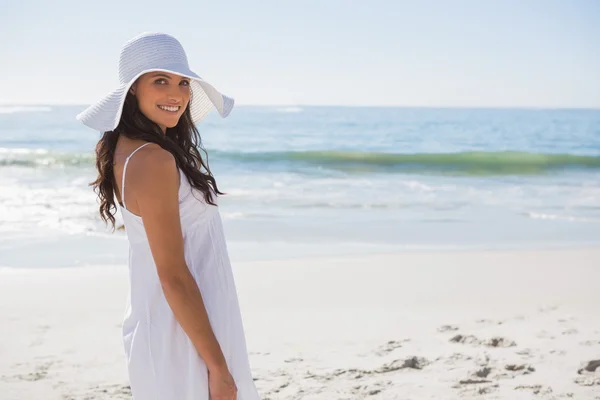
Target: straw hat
point(153, 51)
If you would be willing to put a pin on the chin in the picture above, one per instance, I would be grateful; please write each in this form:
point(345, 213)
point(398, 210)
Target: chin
point(171, 124)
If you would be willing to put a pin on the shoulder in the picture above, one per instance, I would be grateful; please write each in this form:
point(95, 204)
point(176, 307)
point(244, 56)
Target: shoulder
point(152, 165)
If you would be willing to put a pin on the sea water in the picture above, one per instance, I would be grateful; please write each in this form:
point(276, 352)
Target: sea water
point(306, 181)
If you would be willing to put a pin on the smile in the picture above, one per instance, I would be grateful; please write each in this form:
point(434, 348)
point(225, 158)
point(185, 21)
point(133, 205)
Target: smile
point(170, 108)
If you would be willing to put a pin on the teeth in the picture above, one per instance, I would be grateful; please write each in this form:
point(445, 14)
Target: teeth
point(169, 108)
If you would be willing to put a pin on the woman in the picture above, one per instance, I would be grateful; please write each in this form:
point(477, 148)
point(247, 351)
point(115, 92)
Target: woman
point(182, 332)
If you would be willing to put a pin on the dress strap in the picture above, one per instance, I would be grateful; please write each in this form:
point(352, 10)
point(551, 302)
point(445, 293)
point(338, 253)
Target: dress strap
point(124, 170)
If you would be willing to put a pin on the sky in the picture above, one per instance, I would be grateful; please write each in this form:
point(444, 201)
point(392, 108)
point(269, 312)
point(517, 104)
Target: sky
point(444, 53)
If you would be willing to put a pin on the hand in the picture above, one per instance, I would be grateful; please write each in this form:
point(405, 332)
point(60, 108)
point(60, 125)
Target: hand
point(221, 385)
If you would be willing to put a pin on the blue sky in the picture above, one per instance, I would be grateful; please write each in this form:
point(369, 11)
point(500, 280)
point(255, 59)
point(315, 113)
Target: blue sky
point(376, 53)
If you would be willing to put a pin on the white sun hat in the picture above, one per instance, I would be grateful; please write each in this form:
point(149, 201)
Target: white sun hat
point(153, 51)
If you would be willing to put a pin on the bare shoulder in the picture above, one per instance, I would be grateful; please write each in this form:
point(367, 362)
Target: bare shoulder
point(151, 165)
point(153, 179)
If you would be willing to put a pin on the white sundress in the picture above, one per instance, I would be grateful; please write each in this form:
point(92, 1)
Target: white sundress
point(162, 362)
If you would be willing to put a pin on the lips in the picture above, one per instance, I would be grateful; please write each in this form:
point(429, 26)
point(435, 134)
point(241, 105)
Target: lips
point(172, 109)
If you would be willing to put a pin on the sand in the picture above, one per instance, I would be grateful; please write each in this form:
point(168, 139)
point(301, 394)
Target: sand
point(440, 325)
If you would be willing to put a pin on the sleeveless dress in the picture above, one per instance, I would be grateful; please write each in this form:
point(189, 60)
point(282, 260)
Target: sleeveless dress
point(162, 362)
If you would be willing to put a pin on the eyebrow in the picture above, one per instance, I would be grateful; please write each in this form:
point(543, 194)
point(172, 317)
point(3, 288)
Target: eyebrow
point(160, 74)
point(168, 76)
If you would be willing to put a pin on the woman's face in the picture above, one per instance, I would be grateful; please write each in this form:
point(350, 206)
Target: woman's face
point(162, 97)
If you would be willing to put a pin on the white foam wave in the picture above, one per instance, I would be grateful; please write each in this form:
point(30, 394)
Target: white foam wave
point(233, 215)
point(43, 157)
point(21, 151)
point(347, 205)
point(555, 217)
point(244, 215)
point(418, 186)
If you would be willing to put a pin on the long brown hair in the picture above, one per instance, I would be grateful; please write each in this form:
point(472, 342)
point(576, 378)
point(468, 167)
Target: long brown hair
point(183, 141)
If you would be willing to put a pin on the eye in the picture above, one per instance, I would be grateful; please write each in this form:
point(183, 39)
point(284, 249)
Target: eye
point(160, 81)
point(185, 83)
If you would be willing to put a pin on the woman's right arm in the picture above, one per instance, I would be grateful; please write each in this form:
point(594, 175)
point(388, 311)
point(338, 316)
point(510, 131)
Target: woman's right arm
point(154, 181)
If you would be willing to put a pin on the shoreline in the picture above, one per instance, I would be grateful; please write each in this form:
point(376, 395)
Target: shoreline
point(87, 250)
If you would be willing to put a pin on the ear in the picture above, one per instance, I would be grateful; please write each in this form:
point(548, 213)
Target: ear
point(133, 88)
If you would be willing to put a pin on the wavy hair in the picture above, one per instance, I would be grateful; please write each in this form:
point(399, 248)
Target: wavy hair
point(183, 141)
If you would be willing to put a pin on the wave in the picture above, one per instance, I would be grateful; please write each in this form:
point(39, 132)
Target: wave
point(42, 157)
point(471, 163)
point(466, 163)
point(555, 217)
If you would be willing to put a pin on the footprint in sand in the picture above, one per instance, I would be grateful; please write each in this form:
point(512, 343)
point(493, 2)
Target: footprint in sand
point(571, 331)
point(587, 381)
point(370, 390)
point(492, 342)
point(40, 372)
point(447, 328)
point(526, 353)
point(590, 343)
point(293, 360)
point(115, 391)
point(476, 386)
point(454, 358)
point(389, 347)
point(483, 372)
point(536, 389)
point(407, 363)
point(589, 366)
point(520, 369)
point(589, 374)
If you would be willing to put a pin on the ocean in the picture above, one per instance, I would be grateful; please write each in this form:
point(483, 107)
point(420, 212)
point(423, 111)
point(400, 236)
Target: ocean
point(314, 181)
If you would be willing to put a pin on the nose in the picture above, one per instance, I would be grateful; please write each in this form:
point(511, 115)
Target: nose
point(175, 95)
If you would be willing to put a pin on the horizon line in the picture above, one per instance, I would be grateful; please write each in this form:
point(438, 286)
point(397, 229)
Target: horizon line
point(463, 107)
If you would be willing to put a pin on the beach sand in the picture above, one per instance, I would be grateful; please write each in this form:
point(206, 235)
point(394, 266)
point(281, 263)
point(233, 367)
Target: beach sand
point(438, 325)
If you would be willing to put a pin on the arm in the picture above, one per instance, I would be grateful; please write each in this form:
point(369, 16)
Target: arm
point(155, 186)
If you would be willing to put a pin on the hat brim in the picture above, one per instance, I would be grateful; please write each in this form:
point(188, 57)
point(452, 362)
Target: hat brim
point(105, 114)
